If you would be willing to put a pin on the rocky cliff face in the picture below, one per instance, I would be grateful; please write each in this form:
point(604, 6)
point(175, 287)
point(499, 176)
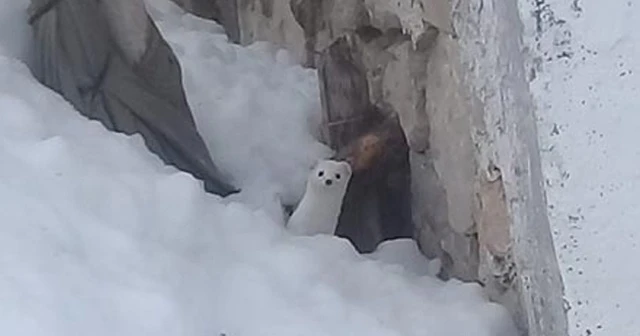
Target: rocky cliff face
point(453, 73)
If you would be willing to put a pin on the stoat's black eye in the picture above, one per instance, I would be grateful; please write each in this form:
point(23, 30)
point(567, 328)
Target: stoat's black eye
point(337, 176)
point(321, 173)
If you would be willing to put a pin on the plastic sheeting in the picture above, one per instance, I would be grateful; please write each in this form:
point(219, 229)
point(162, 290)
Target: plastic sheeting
point(76, 55)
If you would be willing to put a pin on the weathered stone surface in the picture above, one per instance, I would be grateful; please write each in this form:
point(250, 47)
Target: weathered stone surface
point(344, 92)
point(453, 149)
point(404, 88)
point(223, 11)
point(205, 9)
point(324, 21)
point(431, 213)
point(415, 17)
point(271, 20)
point(505, 135)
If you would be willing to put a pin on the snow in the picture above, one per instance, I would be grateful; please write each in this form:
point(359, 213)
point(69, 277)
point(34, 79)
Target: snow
point(99, 237)
point(585, 57)
point(255, 100)
point(404, 252)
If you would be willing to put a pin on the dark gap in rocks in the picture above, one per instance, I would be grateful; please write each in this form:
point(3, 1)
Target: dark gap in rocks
point(377, 205)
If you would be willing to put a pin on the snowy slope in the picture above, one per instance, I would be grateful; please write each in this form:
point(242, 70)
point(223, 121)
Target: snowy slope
point(586, 62)
point(98, 237)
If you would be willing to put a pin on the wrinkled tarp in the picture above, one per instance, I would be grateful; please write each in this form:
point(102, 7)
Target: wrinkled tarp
point(76, 56)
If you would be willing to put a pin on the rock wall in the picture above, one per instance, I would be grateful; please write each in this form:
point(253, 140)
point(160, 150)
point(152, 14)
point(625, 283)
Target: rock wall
point(453, 73)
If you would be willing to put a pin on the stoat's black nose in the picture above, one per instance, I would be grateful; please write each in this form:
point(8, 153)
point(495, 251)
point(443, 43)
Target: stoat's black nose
point(328, 182)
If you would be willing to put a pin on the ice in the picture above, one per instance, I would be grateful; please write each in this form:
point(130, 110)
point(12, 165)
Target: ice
point(98, 237)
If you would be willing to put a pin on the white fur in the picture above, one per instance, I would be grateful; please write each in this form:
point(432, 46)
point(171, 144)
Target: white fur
point(320, 206)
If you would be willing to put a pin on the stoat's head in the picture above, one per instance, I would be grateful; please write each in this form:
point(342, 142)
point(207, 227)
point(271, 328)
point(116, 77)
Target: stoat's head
point(330, 177)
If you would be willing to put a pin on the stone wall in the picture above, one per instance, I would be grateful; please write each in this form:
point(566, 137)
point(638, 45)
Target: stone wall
point(453, 72)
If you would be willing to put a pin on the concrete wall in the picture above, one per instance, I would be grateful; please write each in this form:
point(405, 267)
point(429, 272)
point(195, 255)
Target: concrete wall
point(453, 72)
point(585, 83)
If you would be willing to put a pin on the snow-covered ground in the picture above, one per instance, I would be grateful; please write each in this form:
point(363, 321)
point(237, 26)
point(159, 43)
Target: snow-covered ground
point(586, 57)
point(98, 237)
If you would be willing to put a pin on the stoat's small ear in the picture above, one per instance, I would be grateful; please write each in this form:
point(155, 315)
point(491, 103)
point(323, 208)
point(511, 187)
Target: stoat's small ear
point(315, 164)
point(347, 167)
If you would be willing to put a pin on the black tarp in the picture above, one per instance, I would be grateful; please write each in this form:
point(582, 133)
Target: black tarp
point(76, 55)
